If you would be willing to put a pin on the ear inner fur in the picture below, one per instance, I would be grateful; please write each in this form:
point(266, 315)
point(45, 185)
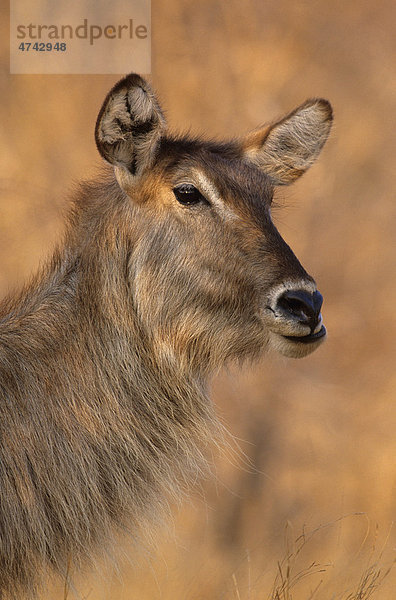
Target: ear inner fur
point(287, 148)
point(129, 125)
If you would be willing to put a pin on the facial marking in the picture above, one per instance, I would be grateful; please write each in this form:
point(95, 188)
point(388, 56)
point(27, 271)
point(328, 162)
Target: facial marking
point(209, 190)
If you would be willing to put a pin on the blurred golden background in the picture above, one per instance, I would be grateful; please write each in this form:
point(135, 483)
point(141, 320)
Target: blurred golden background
point(318, 435)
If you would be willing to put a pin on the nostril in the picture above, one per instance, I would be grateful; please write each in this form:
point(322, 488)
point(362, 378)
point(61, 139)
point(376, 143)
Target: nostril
point(301, 305)
point(317, 301)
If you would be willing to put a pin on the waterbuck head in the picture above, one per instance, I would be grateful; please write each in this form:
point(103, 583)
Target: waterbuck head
point(209, 274)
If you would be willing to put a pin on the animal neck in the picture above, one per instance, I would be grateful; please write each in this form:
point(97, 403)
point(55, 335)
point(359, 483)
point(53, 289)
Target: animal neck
point(109, 431)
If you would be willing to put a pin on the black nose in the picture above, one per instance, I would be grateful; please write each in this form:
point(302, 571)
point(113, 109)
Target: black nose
point(302, 306)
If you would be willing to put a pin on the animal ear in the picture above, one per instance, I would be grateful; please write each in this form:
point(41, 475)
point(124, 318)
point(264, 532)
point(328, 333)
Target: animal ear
point(287, 148)
point(129, 126)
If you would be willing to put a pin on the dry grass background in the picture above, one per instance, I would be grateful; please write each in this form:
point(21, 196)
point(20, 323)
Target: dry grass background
point(318, 434)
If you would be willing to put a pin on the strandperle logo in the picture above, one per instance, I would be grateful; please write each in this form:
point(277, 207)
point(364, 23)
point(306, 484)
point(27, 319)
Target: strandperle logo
point(80, 36)
point(85, 31)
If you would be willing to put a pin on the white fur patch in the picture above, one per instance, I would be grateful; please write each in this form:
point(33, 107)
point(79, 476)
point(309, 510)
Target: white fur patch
point(209, 190)
point(289, 285)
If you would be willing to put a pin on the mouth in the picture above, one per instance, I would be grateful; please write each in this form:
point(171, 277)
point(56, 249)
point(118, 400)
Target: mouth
point(307, 339)
point(298, 346)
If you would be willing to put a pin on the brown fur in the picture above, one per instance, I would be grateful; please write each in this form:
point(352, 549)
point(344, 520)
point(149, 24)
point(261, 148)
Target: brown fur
point(105, 355)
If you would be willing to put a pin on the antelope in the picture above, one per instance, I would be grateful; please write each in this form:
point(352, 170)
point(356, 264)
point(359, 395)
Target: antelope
point(170, 267)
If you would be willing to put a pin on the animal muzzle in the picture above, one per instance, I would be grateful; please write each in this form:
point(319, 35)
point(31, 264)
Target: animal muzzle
point(294, 319)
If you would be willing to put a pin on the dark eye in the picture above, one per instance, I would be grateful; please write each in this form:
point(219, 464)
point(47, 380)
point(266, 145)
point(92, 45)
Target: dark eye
point(187, 194)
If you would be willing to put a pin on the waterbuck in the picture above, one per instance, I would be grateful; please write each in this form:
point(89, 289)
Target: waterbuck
point(170, 267)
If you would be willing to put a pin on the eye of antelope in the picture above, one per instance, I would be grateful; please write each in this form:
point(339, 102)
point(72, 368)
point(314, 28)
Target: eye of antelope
point(187, 194)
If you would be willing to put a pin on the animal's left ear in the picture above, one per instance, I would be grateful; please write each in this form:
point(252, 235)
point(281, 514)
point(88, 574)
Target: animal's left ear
point(129, 127)
point(287, 148)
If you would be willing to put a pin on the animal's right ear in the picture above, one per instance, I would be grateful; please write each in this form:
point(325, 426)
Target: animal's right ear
point(129, 127)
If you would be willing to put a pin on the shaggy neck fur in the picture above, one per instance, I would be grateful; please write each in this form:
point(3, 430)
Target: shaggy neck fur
point(94, 430)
